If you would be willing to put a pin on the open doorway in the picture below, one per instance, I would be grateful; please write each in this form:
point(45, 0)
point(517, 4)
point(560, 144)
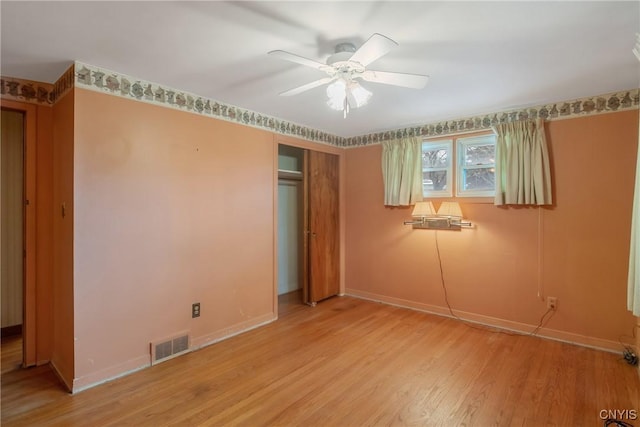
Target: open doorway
point(12, 250)
point(291, 284)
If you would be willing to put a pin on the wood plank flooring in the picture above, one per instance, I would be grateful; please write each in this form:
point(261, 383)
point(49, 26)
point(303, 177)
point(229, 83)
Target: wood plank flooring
point(346, 362)
point(11, 353)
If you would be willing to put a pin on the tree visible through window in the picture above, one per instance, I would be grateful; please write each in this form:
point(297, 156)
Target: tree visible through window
point(436, 169)
point(473, 162)
point(476, 166)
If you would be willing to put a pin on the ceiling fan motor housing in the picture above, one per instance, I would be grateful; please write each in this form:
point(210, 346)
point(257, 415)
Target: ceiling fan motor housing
point(345, 47)
point(343, 52)
point(342, 66)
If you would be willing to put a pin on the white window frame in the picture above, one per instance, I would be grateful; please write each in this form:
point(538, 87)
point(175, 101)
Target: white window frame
point(446, 144)
point(461, 144)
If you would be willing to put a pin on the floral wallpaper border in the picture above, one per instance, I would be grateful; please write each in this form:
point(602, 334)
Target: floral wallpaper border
point(64, 84)
point(98, 79)
point(616, 101)
point(32, 92)
point(94, 78)
point(26, 91)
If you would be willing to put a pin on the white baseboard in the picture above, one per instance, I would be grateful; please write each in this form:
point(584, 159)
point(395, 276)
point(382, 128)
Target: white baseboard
point(553, 334)
point(111, 373)
point(239, 328)
point(142, 362)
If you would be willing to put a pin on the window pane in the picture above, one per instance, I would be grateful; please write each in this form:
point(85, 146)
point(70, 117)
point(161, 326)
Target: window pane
point(434, 181)
point(479, 154)
point(435, 158)
point(437, 168)
point(479, 179)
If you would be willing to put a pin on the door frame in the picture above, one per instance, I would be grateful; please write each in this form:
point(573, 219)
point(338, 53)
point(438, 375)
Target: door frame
point(29, 229)
point(306, 291)
point(324, 148)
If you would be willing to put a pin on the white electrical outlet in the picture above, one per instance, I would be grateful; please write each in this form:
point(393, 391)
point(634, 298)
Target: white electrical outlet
point(552, 303)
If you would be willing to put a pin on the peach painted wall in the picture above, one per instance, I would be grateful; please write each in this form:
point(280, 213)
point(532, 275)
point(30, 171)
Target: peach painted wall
point(494, 273)
point(62, 356)
point(171, 208)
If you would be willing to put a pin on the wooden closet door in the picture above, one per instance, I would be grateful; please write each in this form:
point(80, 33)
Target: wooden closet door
point(324, 225)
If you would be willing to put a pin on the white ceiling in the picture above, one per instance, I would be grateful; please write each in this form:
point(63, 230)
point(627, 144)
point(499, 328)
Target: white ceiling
point(481, 57)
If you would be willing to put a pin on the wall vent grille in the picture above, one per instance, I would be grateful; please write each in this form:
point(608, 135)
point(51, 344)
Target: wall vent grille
point(169, 348)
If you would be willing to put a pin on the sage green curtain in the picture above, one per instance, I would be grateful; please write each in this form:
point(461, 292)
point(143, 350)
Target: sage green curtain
point(523, 173)
point(402, 171)
point(633, 294)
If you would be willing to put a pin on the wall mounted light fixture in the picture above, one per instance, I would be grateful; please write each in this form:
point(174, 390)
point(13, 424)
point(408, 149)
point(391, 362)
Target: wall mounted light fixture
point(448, 217)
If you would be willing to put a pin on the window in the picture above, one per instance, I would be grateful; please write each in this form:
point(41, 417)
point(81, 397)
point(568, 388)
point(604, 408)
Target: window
point(437, 168)
point(469, 171)
point(476, 166)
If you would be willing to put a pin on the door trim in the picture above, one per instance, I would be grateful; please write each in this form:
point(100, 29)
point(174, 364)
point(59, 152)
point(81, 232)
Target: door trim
point(306, 292)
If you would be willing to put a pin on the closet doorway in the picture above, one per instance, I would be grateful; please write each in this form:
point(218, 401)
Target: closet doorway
point(12, 231)
point(18, 232)
point(308, 226)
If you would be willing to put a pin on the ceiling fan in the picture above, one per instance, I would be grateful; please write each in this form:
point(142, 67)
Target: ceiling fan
point(346, 66)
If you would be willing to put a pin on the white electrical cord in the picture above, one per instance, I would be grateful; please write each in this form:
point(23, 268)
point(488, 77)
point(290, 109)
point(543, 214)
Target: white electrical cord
point(540, 253)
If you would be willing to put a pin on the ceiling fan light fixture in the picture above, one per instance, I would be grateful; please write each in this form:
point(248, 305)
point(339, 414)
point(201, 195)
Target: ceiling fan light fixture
point(360, 94)
point(341, 90)
point(337, 93)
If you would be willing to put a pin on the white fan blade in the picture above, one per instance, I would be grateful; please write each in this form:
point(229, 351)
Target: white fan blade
point(414, 81)
point(377, 46)
point(288, 56)
point(300, 89)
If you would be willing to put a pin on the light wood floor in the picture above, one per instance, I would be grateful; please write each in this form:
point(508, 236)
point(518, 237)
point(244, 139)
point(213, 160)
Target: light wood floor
point(290, 302)
point(346, 362)
point(11, 353)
